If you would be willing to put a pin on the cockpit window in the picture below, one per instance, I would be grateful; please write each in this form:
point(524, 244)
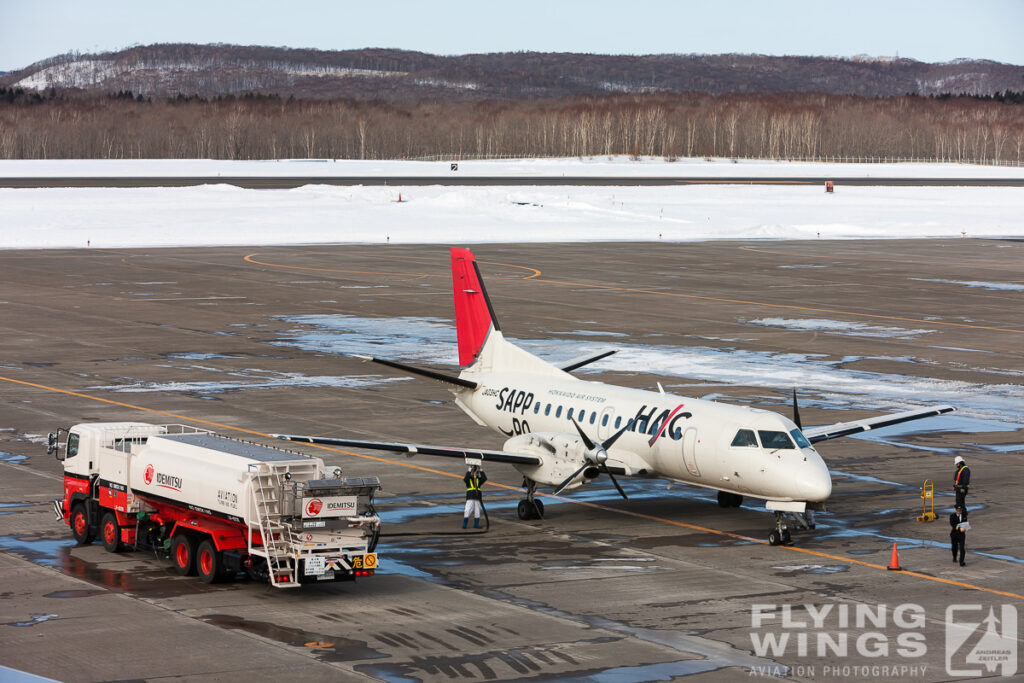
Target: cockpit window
point(773, 440)
point(800, 439)
point(745, 437)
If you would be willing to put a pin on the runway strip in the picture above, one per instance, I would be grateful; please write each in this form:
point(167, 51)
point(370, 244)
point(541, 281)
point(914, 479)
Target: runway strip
point(595, 506)
point(290, 182)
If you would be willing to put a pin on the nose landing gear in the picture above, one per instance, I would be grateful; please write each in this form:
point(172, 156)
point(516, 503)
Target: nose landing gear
point(780, 535)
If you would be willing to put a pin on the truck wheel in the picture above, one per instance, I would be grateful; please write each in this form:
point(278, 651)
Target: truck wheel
point(110, 532)
point(80, 525)
point(209, 562)
point(183, 552)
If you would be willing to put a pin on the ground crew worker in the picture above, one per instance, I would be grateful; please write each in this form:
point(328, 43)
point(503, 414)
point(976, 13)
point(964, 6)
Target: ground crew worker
point(961, 482)
point(957, 534)
point(474, 479)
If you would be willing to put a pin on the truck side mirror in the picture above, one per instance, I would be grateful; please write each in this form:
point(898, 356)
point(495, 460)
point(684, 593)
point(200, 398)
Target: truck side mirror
point(52, 446)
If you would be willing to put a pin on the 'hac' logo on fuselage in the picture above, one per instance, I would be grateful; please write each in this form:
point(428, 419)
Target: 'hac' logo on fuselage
point(314, 507)
point(149, 475)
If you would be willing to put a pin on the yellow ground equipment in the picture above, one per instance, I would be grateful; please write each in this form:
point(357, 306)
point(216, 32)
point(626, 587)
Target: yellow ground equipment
point(927, 502)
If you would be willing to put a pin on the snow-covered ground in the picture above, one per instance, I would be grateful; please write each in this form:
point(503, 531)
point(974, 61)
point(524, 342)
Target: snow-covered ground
point(224, 215)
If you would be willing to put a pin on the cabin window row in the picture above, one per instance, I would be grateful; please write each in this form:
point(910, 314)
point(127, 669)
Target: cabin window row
point(580, 415)
point(648, 424)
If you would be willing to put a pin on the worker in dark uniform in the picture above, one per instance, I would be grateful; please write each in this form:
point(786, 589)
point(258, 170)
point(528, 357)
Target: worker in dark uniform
point(474, 479)
point(961, 482)
point(958, 534)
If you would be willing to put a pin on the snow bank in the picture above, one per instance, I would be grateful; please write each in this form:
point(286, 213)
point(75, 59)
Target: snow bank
point(316, 214)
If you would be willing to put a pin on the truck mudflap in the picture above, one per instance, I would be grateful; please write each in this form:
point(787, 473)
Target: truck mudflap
point(345, 568)
point(58, 509)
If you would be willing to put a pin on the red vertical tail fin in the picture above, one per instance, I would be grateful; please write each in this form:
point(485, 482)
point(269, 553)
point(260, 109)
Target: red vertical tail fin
point(474, 316)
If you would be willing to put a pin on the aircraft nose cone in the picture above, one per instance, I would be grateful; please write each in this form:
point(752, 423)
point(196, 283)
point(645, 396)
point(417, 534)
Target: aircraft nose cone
point(816, 489)
point(816, 483)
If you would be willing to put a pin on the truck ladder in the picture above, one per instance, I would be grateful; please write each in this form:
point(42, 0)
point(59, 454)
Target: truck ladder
point(281, 565)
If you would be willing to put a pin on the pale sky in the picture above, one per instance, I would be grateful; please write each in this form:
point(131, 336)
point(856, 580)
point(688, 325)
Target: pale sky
point(926, 30)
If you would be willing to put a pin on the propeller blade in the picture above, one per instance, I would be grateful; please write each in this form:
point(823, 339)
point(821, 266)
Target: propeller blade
point(586, 439)
point(796, 411)
point(615, 481)
point(568, 480)
point(614, 437)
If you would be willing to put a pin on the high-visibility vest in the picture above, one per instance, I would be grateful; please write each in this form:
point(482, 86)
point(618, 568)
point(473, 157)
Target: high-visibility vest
point(474, 484)
point(956, 482)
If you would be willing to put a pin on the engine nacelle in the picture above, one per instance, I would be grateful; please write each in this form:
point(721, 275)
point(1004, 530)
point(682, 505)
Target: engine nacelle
point(560, 455)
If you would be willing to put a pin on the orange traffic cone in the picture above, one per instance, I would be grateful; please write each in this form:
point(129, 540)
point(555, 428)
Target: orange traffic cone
point(894, 563)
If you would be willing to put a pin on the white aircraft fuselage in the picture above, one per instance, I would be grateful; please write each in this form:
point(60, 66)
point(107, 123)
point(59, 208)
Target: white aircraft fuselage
point(675, 437)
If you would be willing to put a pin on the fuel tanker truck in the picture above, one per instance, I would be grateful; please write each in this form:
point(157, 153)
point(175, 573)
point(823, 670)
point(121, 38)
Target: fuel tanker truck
point(216, 506)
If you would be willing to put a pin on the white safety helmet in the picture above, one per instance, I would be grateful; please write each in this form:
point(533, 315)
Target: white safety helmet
point(957, 460)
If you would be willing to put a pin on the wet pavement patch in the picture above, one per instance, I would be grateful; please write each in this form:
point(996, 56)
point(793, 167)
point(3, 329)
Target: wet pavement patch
point(813, 568)
point(79, 593)
point(504, 664)
point(11, 457)
point(11, 508)
point(38, 619)
point(149, 578)
point(326, 647)
point(191, 355)
point(39, 550)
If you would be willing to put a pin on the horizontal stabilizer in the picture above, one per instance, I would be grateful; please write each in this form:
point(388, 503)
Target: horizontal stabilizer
point(422, 372)
point(414, 449)
point(834, 431)
point(577, 363)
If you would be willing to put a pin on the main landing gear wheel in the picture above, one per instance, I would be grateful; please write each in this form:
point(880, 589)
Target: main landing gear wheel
point(729, 500)
point(80, 530)
point(530, 509)
point(183, 552)
point(111, 533)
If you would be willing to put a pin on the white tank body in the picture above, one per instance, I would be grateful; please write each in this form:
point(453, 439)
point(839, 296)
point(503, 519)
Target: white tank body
point(209, 473)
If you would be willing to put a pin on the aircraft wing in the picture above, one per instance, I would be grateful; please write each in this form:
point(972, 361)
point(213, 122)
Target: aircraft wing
point(577, 363)
point(414, 449)
point(834, 431)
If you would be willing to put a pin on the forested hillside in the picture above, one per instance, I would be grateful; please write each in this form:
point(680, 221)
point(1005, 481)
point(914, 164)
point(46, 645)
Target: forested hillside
point(230, 102)
point(211, 70)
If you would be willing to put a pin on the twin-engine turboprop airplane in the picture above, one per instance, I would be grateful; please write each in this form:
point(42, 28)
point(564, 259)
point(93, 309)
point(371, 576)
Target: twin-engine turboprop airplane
point(564, 431)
